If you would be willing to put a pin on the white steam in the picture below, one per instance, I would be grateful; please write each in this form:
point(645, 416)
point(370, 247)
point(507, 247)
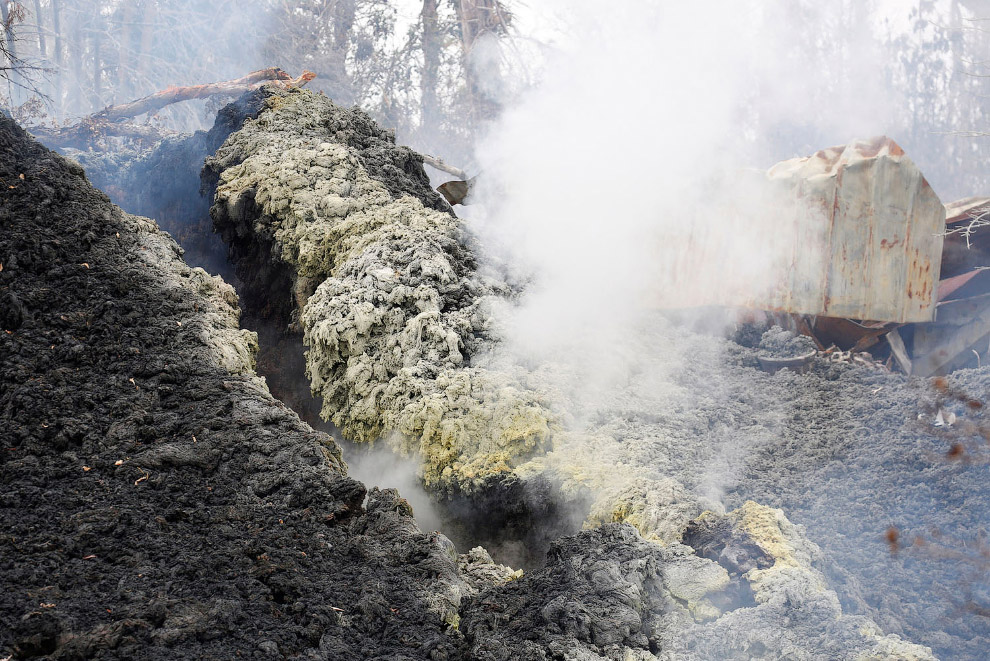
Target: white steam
point(378, 466)
point(646, 117)
point(637, 139)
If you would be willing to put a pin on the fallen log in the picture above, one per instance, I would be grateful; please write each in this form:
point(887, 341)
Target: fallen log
point(159, 100)
point(111, 121)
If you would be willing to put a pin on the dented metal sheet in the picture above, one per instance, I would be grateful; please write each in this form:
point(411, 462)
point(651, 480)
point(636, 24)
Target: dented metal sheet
point(853, 232)
point(882, 246)
point(967, 236)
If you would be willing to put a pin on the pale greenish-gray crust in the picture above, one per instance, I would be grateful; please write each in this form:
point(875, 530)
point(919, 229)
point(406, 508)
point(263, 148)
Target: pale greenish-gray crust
point(389, 300)
point(218, 325)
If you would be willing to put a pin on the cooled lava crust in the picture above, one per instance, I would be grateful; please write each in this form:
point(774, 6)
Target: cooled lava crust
point(157, 502)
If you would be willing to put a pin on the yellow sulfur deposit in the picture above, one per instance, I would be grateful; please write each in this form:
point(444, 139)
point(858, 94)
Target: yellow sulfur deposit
point(390, 302)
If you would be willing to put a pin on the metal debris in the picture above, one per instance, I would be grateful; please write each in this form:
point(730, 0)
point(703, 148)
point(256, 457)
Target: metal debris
point(457, 191)
point(856, 232)
point(896, 281)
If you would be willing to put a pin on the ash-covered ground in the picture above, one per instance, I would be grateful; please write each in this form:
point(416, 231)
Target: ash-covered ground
point(846, 451)
point(338, 240)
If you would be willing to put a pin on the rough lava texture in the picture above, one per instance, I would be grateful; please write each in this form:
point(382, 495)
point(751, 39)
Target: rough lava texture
point(403, 328)
point(164, 183)
point(779, 343)
point(157, 502)
point(845, 451)
point(658, 603)
point(386, 288)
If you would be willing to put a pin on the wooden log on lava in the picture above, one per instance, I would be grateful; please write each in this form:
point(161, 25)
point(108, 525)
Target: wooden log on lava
point(159, 100)
point(439, 164)
point(455, 192)
point(111, 121)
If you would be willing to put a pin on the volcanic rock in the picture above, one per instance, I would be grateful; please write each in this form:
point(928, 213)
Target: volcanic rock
point(402, 316)
point(386, 288)
point(157, 501)
point(779, 343)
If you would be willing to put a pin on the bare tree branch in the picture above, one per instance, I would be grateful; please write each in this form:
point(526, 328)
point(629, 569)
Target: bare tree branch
point(171, 95)
point(110, 121)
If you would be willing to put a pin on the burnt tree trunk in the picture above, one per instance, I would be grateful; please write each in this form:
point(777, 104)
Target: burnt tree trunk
point(76, 55)
point(431, 61)
point(8, 30)
point(57, 59)
point(477, 18)
point(97, 67)
point(344, 12)
point(11, 48)
point(123, 88)
point(147, 40)
point(38, 24)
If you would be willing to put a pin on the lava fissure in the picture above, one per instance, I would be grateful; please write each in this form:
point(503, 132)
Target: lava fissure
point(222, 522)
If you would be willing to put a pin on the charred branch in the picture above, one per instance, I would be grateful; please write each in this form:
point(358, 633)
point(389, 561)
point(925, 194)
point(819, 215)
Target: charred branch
point(90, 131)
point(159, 100)
point(112, 121)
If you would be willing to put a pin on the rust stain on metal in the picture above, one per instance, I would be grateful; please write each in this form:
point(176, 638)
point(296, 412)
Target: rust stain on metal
point(857, 234)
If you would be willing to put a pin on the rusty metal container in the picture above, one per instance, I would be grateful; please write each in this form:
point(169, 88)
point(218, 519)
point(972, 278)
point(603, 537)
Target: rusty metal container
point(853, 231)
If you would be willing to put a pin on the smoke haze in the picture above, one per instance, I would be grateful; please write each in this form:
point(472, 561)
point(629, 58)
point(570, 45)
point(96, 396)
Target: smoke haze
point(643, 135)
point(647, 115)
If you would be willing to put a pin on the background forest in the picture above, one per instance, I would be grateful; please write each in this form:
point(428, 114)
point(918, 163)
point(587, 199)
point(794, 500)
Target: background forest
point(439, 71)
point(426, 69)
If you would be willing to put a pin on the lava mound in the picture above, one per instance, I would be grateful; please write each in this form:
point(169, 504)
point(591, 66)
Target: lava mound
point(158, 502)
